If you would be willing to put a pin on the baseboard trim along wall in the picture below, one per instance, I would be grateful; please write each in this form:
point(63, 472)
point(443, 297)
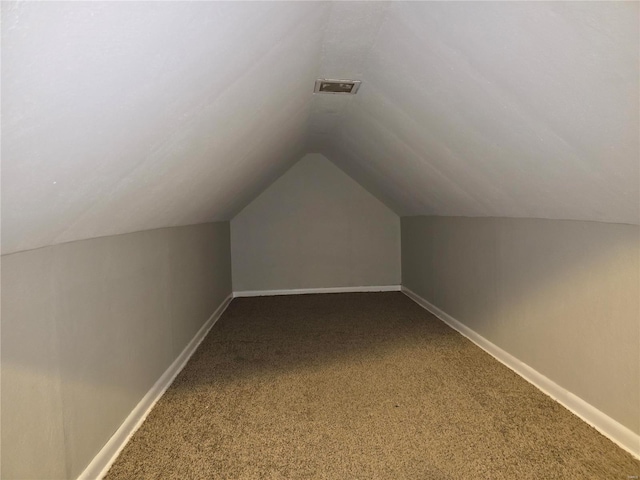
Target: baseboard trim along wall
point(303, 291)
point(101, 463)
point(610, 428)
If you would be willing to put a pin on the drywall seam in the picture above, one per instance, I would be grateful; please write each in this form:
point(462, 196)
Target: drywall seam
point(101, 463)
point(607, 426)
point(302, 291)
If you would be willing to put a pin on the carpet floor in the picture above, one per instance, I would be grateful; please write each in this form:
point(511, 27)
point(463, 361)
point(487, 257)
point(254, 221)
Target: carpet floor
point(356, 386)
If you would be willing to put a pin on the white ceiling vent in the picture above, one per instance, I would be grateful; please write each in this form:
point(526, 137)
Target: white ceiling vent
point(345, 87)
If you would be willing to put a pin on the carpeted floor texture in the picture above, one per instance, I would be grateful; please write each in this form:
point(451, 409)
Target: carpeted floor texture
point(357, 386)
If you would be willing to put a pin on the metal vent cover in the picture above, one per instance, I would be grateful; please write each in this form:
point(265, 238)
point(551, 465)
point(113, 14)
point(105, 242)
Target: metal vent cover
point(340, 87)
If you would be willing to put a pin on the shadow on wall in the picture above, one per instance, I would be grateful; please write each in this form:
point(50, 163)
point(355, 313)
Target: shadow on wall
point(561, 296)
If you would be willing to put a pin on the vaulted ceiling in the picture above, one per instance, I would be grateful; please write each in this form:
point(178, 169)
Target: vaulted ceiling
point(125, 116)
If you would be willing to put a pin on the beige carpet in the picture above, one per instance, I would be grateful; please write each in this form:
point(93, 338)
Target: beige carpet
point(357, 386)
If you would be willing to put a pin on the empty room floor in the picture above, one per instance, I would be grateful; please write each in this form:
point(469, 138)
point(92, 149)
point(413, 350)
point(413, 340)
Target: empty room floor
point(356, 385)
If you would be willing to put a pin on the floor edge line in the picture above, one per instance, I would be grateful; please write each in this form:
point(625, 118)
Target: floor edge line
point(303, 291)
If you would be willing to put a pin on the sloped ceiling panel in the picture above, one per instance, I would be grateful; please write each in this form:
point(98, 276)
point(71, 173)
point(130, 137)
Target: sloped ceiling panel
point(350, 32)
point(124, 116)
point(519, 109)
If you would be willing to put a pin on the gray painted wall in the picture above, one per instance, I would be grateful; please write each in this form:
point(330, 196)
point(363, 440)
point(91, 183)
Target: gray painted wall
point(315, 227)
point(88, 327)
point(561, 296)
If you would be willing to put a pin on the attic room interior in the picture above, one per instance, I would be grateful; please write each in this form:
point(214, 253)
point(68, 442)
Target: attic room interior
point(320, 240)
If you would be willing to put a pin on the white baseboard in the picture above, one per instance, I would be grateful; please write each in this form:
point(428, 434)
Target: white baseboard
point(610, 428)
point(101, 463)
point(302, 291)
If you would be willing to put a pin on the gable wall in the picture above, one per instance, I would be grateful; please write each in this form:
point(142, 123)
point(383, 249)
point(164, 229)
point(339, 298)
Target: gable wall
point(315, 227)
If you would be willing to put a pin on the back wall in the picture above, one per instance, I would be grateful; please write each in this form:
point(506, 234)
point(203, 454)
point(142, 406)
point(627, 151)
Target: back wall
point(315, 227)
